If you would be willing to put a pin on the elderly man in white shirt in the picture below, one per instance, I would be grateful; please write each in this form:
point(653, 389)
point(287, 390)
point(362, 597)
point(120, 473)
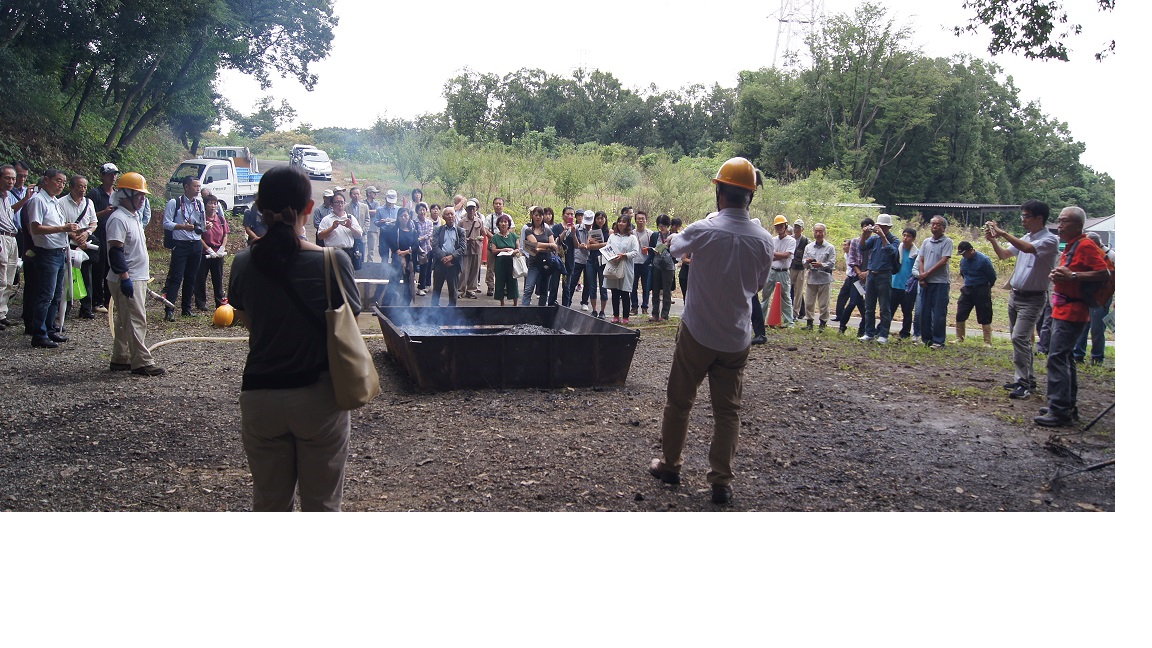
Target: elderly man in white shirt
point(50, 251)
point(730, 259)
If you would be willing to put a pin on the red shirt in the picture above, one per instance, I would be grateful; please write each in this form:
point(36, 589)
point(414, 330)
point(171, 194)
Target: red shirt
point(1087, 257)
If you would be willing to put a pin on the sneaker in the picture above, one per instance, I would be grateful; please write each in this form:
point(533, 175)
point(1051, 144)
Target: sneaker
point(1021, 392)
point(625, 320)
point(634, 311)
point(657, 470)
point(421, 292)
point(881, 340)
point(935, 346)
point(100, 309)
point(865, 338)
point(1012, 385)
point(823, 325)
point(615, 320)
point(760, 339)
point(584, 307)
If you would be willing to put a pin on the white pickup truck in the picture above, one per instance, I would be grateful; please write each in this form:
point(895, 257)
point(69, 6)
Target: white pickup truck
point(233, 179)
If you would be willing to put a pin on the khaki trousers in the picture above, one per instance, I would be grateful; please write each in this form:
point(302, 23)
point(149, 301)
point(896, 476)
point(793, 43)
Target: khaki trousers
point(295, 437)
point(129, 325)
point(469, 274)
point(799, 278)
point(9, 256)
point(691, 363)
point(490, 271)
point(816, 301)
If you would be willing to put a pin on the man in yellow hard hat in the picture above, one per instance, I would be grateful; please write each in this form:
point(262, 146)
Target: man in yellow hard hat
point(127, 278)
point(730, 258)
point(783, 249)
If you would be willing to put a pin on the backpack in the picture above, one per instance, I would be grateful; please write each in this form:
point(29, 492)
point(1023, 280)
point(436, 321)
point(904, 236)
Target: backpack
point(1094, 293)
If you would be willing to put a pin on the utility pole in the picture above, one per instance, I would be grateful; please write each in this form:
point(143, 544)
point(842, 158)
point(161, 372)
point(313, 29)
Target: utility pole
point(794, 19)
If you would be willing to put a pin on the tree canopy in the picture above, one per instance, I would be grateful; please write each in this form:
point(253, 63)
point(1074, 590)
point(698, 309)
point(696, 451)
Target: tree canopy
point(1037, 29)
point(141, 61)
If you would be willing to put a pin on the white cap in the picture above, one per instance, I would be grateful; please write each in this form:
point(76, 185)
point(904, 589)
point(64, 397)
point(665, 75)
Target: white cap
point(109, 168)
point(884, 219)
point(328, 193)
point(470, 203)
point(390, 196)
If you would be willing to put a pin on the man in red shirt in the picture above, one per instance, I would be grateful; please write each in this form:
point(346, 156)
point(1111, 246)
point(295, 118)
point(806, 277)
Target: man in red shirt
point(1082, 261)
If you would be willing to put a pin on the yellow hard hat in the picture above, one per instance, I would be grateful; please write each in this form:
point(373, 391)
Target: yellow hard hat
point(739, 172)
point(779, 220)
point(133, 181)
point(223, 315)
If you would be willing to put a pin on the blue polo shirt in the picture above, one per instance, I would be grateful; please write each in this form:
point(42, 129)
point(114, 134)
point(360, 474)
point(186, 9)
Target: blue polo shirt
point(977, 271)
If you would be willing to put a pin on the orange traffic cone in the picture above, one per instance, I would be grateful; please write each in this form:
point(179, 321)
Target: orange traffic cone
point(774, 309)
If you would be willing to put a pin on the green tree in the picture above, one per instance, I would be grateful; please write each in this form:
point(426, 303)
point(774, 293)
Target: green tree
point(1035, 28)
point(266, 119)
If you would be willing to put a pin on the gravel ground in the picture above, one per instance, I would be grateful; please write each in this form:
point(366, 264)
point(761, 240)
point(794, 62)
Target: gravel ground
point(829, 424)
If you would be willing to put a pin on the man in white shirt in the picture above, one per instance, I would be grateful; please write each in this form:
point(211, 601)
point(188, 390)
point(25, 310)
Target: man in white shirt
point(77, 208)
point(9, 252)
point(731, 255)
point(783, 249)
point(49, 233)
point(1037, 253)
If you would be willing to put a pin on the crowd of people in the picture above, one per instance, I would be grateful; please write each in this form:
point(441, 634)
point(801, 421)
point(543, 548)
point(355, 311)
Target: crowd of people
point(61, 223)
point(456, 249)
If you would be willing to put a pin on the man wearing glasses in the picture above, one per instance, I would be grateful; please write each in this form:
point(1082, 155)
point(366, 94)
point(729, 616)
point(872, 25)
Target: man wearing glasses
point(1036, 253)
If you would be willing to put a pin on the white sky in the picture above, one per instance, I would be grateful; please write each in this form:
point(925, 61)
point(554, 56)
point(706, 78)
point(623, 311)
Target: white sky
point(402, 56)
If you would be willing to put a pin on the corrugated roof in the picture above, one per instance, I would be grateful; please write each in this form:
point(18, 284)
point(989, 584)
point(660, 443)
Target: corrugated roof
point(959, 206)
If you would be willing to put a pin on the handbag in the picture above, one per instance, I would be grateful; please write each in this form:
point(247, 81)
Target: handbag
point(353, 371)
point(519, 266)
point(79, 291)
point(614, 269)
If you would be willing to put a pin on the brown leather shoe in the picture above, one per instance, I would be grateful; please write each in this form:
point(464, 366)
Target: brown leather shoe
point(657, 470)
point(721, 494)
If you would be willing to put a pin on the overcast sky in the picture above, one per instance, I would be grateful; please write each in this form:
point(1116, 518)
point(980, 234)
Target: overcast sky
point(402, 55)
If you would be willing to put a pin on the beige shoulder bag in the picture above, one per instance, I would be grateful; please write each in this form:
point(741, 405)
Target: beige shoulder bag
point(353, 371)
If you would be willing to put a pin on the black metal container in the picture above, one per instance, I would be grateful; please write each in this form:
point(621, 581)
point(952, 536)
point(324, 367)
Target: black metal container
point(464, 347)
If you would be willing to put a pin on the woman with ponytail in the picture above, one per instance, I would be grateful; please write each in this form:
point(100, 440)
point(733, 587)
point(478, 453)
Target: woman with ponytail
point(294, 434)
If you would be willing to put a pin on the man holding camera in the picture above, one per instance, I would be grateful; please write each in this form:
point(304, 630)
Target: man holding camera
point(184, 217)
point(820, 261)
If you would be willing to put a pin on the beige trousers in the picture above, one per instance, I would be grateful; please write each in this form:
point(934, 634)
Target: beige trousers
point(129, 325)
point(9, 255)
point(816, 298)
point(469, 274)
point(295, 437)
point(799, 278)
point(691, 363)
